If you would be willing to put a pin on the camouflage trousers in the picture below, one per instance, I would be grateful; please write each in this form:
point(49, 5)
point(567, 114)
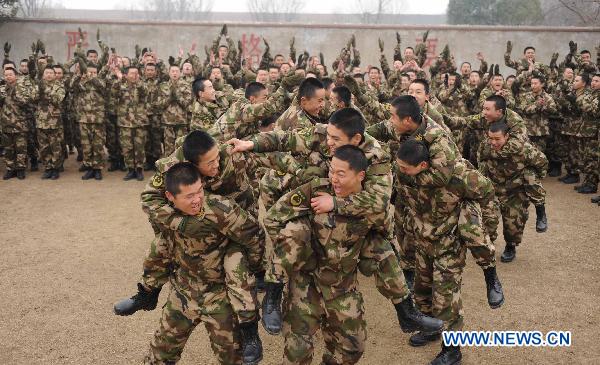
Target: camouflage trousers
point(534, 189)
point(341, 321)
point(540, 142)
point(171, 133)
point(133, 142)
point(112, 138)
point(240, 283)
point(477, 230)
point(93, 137)
point(553, 148)
point(180, 316)
point(591, 154)
point(513, 207)
point(51, 152)
point(67, 125)
point(575, 155)
point(439, 266)
point(32, 139)
point(153, 146)
point(15, 150)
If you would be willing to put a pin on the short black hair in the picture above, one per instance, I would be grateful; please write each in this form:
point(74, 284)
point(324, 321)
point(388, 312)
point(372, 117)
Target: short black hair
point(198, 85)
point(423, 82)
point(354, 156)
point(10, 69)
point(309, 87)
point(269, 120)
point(327, 81)
point(586, 52)
point(528, 47)
point(253, 88)
point(408, 106)
point(343, 94)
point(24, 60)
point(182, 173)
point(586, 78)
point(196, 144)
point(274, 66)
point(413, 152)
point(89, 51)
point(350, 121)
point(150, 64)
point(126, 69)
point(540, 77)
point(376, 68)
point(499, 102)
point(8, 62)
point(409, 48)
point(498, 127)
point(358, 76)
point(466, 62)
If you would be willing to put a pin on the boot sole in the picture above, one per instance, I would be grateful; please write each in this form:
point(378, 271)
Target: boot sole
point(255, 362)
point(506, 260)
point(496, 306)
point(421, 344)
point(272, 333)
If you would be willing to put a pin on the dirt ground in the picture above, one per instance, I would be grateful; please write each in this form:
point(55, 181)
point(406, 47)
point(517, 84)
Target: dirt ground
point(71, 248)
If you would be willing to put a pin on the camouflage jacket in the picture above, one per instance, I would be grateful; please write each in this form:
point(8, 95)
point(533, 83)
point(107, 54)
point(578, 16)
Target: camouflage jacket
point(341, 244)
point(312, 153)
point(295, 118)
point(581, 121)
point(153, 87)
point(49, 97)
point(13, 99)
point(435, 210)
point(455, 100)
point(132, 103)
point(199, 244)
point(536, 109)
point(231, 182)
point(205, 114)
point(243, 118)
point(442, 149)
point(90, 99)
point(488, 91)
point(174, 101)
point(506, 168)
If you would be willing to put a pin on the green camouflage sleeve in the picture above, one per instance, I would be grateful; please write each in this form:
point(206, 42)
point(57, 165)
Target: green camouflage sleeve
point(298, 141)
point(158, 262)
point(442, 160)
point(252, 113)
point(291, 205)
point(382, 131)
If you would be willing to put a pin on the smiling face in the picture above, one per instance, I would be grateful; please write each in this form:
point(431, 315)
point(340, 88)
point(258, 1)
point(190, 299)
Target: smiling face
point(337, 138)
point(410, 170)
point(190, 198)
point(208, 163)
point(344, 180)
point(314, 104)
point(497, 140)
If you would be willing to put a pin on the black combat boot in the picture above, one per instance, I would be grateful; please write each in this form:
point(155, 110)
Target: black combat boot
point(596, 199)
point(450, 355)
point(541, 221)
point(409, 276)
point(495, 295)
point(97, 174)
point(47, 174)
point(571, 179)
point(149, 165)
point(55, 174)
point(34, 166)
point(122, 163)
point(9, 174)
point(88, 174)
point(587, 189)
point(79, 154)
point(252, 351)
point(130, 175)
point(271, 308)
point(411, 319)
point(21, 174)
point(144, 299)
point(139, 175)
point(260, 281)
point(510, 251)
point(421, 338)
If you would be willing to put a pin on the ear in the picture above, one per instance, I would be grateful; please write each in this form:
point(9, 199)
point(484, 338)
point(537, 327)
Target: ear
point(362, 175)
point(170, 196)
point(356, 139)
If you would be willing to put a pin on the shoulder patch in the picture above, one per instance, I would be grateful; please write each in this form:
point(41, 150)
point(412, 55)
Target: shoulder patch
point(158, 180)
point(297, 198)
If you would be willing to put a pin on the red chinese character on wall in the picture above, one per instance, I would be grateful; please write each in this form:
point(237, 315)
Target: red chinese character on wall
point(251, 48)
point(431, 44)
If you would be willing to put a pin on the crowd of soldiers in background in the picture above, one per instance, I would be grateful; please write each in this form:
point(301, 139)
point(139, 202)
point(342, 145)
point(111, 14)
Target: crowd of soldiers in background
point(511, 131)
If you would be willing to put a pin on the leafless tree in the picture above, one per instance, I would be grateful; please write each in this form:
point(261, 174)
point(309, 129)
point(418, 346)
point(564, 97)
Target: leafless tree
point(8, 9)
point(571, 12)
point(37, 8)
point(177, 9)
point(274, 10)
point(373, 11)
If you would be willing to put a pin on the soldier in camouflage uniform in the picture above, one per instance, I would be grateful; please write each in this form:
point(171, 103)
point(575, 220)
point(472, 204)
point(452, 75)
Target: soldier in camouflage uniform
point(535, 106)
point(323, 291)
point(304, 111)
point(131, 97)
point(155, 134)
point(581, 129)
point(197, 243)
point(508, 169)
point(596, 113)
point(440, 254)
point(89, 92)
point(49, 94)
point(223, 174)
point(173, 101)
point(14, 96)
point(208, 105)
point(559, 142)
